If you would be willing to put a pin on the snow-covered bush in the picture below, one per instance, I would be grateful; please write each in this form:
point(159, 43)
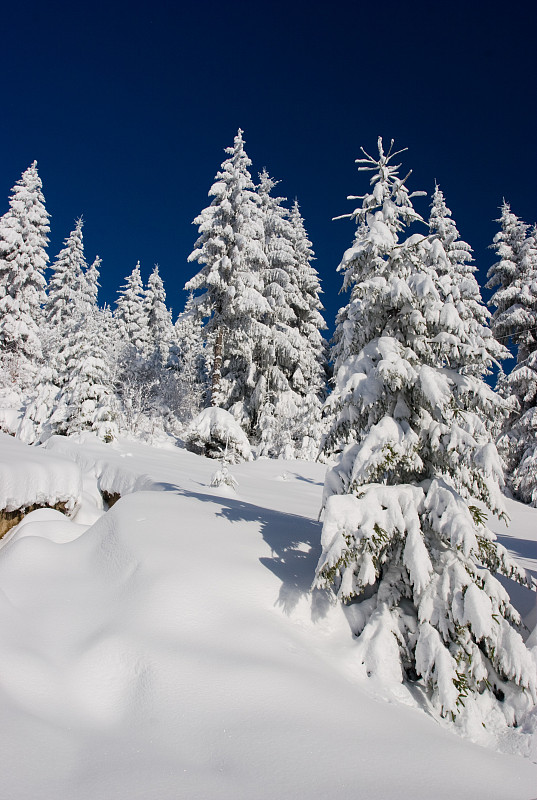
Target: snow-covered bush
point(223, 477)
point(215, 432)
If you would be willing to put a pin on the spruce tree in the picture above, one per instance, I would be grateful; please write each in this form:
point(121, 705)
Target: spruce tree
point(86, 400)
point(466, 343)
point(404, 532)
point(230, 284)
point(514, 317)
point(23, 240)
point(517, 319)
point(159, 324)
point(131, 315)
point(294, 356)
point(188, 362)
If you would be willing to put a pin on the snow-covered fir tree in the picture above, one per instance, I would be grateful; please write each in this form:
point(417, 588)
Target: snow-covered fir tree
point(62, 313)
point(310, 378)
point(131, 315)
point(294, 357)
point(23, 240)
point(65, 282)
point(159, 323)
point(515, 318)
point(466, 342)
point(86, 400)
point(405, 533)
point(230, 284)
point(515, 305)
point(188, 362)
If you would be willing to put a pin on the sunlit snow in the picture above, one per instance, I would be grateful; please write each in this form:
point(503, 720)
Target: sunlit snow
point(173, 648)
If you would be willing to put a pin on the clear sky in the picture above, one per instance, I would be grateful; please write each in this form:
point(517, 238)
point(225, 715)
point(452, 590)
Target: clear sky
point(127, 108)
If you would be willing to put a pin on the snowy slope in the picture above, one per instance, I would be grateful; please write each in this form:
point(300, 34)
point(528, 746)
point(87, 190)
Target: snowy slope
point(172, 650)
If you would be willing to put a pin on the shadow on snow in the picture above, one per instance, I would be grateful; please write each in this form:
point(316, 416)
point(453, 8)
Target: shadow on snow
point(294, 541)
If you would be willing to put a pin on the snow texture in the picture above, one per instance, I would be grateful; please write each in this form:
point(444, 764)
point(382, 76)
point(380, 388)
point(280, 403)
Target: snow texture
point(143, 670)
point(30, 476)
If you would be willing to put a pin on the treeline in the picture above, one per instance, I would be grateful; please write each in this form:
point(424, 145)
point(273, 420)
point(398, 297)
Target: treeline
point(250, 337)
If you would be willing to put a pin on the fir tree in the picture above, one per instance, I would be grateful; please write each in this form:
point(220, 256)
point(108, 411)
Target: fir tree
point(294, 356)
point(466, 342)
point(403, 533)
point(131, 315)
point(517, 442)
point(159, 324)
point(63, 309)
point(515, 314)
point(23, 239)
point(230, 248)
point(86, 401)
point(188, 362)
point(65, 283)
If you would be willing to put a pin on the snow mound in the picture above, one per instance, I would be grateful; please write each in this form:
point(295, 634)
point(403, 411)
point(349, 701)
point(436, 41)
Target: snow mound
point(31, 476)
point(216, 433)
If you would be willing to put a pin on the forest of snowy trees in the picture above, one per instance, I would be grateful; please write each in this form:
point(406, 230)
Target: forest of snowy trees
point(418, 425)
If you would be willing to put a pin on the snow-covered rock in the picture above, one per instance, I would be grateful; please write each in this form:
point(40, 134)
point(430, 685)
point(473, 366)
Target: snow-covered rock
point(32, 476)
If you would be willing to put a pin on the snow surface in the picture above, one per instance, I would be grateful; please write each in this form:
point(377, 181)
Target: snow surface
point(172, 649)
point(31, 476)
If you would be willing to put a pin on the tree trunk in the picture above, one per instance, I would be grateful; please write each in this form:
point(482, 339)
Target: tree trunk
point(217, 366)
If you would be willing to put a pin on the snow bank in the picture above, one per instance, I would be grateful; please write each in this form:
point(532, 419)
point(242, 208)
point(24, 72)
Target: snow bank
point(30, 476)
point(174, 650)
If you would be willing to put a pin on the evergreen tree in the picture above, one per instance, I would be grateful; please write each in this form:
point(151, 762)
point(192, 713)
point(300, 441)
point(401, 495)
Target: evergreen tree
point(310, 378)
point(515, 314)
point(65, 283)
point(518, 440)
point(159, 324)
point(23, 239)
point(188, 362)
point(63, 310)
point(294, 357)
point(86, 401)
point(466, 342)
point(230, 248)
point(403, 534)
point(131, 315)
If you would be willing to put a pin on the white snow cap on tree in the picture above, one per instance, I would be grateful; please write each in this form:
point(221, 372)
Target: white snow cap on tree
point(404, 532)
point(23, 240)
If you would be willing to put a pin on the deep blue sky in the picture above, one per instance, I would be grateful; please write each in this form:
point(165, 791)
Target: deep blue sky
point(127, 108)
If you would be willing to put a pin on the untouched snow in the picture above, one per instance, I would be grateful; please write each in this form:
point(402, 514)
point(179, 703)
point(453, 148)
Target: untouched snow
point(172, 649)
point(29, 476)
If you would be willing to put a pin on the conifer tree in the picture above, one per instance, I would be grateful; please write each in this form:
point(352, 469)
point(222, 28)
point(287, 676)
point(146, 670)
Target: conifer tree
point(294, 356)
point(188, 362)
point(517, 319)
point(86, 400)
point(514, 315)
point(466, 342)
point(23, 240)
point(159, 324)
point(310, 322)
point(131, 315)
point(403, 533)
point(230, 283)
